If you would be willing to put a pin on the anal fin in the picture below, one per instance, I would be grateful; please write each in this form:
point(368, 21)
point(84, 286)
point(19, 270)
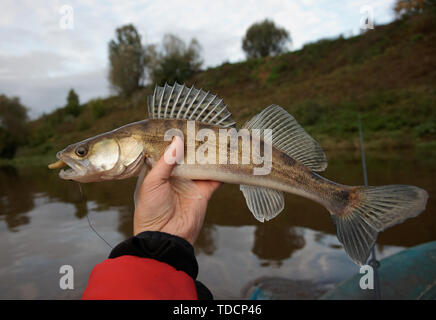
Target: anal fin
point(264, 203)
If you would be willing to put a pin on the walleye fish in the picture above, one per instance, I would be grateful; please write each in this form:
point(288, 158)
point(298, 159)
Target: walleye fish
point(359, 213)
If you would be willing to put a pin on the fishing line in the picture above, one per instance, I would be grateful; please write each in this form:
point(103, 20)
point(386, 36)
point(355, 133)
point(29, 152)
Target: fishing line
point(82, 198)
point(373, 262)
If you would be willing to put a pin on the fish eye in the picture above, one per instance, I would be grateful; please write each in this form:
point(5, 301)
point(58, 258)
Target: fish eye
point(81, 151)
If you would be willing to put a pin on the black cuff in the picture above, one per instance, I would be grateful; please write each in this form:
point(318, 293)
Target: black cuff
point(167, 248)
point(163, 247)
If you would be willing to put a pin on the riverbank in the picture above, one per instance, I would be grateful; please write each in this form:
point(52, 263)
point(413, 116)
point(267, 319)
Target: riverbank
point(386, 76)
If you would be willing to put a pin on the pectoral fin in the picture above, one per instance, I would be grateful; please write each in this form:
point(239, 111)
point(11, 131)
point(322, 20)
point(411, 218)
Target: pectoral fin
point(141, 177)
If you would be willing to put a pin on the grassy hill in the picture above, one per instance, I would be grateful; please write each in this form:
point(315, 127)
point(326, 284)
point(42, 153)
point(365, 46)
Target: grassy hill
point(387, 76)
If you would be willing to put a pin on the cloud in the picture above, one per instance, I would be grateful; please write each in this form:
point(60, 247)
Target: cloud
point(47, 93)
point(39, 61)
point(30, 65)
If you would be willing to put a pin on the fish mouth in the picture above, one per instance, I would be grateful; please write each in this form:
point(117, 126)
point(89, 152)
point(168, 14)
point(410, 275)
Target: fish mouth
point(74, 169)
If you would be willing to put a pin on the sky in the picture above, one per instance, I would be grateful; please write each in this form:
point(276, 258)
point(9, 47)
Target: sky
point(50, 46)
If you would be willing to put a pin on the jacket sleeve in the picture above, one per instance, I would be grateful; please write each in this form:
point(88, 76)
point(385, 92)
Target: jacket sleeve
point(150, 265)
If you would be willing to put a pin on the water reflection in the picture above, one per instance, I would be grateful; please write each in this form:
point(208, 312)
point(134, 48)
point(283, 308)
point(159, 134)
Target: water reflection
point(205, 242)
point(42, 225)
point(290, 240)
point(16, 199)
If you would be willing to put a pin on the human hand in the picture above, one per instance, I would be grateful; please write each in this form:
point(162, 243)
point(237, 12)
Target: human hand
point(160, 208)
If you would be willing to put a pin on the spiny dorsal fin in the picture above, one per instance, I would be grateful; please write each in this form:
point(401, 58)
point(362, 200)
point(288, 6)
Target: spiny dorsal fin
point(289, 137)
point(264, 203)
point(181, 102)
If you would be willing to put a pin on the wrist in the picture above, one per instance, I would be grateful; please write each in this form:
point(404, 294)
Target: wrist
point(160, 246)
point(182, 228)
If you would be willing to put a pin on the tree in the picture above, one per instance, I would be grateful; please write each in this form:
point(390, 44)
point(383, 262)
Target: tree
point(407, 7)
point(403, 7)
point(126, 57)
point(264, 39)
point(174, 60)
point(13, 129)
point(73, 105)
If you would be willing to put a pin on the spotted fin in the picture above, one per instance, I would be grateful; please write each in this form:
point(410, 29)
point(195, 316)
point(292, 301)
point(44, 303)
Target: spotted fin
point(181, 102)
point(289, 137)
point(370, 210)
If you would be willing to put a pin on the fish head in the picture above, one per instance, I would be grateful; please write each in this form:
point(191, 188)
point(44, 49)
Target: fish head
point(104, 157)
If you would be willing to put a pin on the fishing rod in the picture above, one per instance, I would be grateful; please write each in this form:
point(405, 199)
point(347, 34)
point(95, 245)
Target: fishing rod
point(373, 262)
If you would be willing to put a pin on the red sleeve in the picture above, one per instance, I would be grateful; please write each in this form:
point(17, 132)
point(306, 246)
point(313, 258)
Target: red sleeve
point(133, 278)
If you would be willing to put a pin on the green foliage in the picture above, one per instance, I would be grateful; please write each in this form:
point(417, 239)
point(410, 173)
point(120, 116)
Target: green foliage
point(309, 113)
point(127, 60)
point(40, 135)
point(276, 71)
point(97, 108)
point(83, 125)
point(265, 39)
point(417, 37)
point(320, 47)
point(73, 104)
point(174, 60)
point(426, 129)
point(13, 130)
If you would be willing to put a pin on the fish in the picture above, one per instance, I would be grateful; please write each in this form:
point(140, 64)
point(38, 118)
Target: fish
point(359, 213)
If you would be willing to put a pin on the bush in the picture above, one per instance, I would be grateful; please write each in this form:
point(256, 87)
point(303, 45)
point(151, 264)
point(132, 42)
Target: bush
point(264, 39)
point(97, 108)
point(13, 128)
point(309, 113)
point(73, 105)
point(427, 128)
point(40, 135)
point(174, 61)
point(83, 125)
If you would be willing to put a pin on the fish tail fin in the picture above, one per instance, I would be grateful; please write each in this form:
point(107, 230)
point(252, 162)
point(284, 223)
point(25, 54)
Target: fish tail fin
point(366, 211)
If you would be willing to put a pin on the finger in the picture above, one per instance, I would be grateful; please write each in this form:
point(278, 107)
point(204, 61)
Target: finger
point(208, 187)
point(163, 168)
point(214, 185)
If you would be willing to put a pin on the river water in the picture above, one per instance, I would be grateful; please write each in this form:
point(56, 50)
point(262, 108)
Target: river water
point(45, 223)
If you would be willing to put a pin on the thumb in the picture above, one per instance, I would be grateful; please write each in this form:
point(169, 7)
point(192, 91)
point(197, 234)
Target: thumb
point(172, 155)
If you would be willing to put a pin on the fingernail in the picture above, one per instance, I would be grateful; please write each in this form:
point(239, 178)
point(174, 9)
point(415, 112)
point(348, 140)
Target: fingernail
point(174, 152)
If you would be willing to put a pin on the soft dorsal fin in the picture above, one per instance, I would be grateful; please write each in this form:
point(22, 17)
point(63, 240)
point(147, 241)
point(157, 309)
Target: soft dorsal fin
point(181, 102)
point(289, 137)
